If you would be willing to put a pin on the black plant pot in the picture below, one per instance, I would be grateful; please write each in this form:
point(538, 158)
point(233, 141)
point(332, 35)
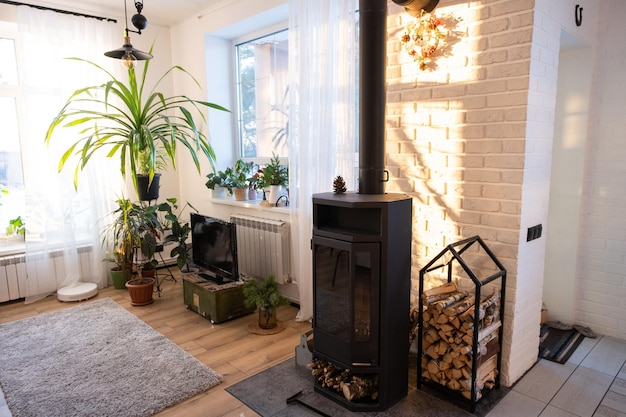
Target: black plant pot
point(145, 193)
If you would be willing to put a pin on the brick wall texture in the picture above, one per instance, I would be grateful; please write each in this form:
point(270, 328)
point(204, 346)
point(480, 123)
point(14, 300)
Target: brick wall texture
point(470, 140)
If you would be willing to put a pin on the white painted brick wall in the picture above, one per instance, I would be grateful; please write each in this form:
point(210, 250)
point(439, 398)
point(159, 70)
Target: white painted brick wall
point(471, 140)
point(601, 272)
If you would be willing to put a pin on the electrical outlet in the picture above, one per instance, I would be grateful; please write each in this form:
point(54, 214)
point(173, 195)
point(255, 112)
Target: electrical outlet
point(534, 232)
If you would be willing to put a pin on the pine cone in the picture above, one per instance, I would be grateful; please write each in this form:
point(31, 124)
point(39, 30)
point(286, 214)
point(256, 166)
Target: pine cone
point(339, 185)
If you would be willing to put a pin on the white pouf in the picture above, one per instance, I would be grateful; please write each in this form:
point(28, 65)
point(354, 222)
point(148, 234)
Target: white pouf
point(79, 292)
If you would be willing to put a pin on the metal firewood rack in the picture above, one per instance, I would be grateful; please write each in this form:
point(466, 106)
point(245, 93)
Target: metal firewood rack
point(451, 257)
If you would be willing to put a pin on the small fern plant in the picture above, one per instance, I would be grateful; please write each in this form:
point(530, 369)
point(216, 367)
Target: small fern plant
point(264, 294)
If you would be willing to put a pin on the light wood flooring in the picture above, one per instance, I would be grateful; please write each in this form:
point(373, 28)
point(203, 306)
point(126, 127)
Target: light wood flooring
point(591, 383)
point(228, 348)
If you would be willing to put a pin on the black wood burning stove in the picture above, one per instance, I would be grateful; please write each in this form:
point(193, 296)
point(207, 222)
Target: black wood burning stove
point(362, 282)
point(362, 257)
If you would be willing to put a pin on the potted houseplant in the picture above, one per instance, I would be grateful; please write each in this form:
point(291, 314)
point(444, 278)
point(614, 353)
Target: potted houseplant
point(147, 228)
point(272, 177)
point(239, 179)
point(266, 297)
point(129, 119)
point(253, 183)
point(134, 228)
point(16, 227)
point(120, 239)
point(149, 190)
point(217, 182)
point(178, 232)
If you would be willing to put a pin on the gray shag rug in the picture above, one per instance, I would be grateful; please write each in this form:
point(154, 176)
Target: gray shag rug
point(95, 359)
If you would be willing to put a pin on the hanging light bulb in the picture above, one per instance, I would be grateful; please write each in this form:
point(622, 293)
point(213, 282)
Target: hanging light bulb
point(129, 61)
point(127, 53)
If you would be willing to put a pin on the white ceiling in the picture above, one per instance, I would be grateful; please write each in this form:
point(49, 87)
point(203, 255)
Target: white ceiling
point(159, 12)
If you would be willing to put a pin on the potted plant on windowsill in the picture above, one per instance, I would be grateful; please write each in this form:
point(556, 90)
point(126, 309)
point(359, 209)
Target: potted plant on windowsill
point(239, 179)
point(129, 119)
point(266, 297)
point(217, 182)
point(272, 177)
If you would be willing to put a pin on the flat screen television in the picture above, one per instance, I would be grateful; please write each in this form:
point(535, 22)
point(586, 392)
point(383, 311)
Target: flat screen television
point(212, 243)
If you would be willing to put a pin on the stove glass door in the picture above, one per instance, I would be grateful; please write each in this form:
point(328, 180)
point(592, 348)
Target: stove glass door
point(346, 279)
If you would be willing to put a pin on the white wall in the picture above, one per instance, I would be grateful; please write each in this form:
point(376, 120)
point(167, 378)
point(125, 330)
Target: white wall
point(601, 268)
point(568, 160)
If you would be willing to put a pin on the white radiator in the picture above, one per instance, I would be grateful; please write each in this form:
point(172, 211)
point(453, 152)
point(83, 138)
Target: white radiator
point(13, 275)
point(262, 247)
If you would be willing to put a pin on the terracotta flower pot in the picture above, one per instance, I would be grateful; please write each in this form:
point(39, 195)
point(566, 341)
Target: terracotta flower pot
point(241, 194)
point(140, 290)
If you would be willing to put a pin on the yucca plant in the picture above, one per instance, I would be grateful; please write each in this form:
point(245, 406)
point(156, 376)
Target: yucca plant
point(123, 118)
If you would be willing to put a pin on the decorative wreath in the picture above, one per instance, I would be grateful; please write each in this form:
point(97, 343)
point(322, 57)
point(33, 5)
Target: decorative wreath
point(422, 37)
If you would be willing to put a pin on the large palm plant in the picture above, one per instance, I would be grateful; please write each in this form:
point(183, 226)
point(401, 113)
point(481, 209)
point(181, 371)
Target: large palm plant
point(123, 118)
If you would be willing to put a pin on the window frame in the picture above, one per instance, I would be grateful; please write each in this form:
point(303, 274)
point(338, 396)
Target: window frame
point(9, 30)
point(247, 37)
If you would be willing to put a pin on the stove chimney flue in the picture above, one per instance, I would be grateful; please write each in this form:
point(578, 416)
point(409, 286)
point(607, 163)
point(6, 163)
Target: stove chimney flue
point(372, 93)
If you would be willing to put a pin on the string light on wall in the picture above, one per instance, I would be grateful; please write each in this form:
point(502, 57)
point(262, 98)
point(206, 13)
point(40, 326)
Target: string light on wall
point(127, 53)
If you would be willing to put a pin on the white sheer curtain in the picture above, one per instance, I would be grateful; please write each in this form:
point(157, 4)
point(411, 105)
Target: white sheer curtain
point(63, 226)
point(322, 136)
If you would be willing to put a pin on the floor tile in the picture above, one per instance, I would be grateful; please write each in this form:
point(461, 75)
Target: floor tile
point(618, 386)
point(544, 380)
point(608, 356)
point(582, 392)
point(517, 405)
point(608, 412)
point(615, 401)
point(551, 411)
point(583, 350)
point(622, 372)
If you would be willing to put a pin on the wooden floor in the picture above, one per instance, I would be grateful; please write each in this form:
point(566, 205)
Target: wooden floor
point(228, 348)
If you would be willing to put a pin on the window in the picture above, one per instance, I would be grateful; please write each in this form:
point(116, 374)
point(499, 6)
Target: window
point(263, 95)
point(11, 181)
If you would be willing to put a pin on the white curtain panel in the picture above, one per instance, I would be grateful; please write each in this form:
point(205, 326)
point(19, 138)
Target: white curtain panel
point(62, 225)
point(323, 104)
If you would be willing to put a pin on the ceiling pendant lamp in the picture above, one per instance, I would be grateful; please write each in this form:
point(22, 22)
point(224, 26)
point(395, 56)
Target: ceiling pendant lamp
point(127, 53)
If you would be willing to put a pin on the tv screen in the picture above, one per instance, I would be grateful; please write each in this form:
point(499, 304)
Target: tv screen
point(212, 245)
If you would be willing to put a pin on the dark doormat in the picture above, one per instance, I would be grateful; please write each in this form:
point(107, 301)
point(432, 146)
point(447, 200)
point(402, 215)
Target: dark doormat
point(558, 345)
point(266, 393)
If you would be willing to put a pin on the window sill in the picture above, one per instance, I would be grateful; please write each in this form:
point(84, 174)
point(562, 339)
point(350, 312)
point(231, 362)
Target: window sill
point(250, 204)
point(11, 247)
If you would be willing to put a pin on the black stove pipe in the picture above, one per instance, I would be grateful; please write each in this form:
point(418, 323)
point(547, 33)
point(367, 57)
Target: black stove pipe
point(372, 91)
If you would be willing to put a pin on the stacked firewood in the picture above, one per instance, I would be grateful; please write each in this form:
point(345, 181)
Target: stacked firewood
point(333, 377)
point(447, 341)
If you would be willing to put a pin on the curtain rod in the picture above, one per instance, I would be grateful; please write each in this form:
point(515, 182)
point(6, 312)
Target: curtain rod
point(17, 3)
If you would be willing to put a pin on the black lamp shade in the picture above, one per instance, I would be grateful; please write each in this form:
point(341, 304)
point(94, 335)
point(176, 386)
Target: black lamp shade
point(127, 48)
